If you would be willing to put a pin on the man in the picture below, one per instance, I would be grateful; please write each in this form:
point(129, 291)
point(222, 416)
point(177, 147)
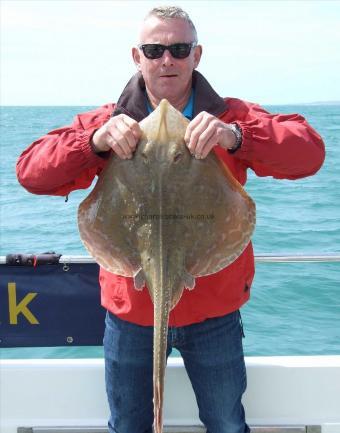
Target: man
point(205, 325)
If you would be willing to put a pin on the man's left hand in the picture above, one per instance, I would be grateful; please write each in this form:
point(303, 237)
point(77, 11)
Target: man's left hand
point(206, 131)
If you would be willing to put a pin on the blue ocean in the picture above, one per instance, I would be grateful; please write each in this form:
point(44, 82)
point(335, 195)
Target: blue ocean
point(294, 308)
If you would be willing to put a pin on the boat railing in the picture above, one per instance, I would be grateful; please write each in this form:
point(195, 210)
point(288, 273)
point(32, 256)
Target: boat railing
point(332, 257)
point(259, 258)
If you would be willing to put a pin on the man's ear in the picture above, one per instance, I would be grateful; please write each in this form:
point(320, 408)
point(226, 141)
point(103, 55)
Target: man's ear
point(197, 55)
point(136, 57)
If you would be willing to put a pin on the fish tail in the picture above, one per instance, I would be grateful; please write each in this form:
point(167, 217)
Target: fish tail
point(158, 424)
point(159, 364)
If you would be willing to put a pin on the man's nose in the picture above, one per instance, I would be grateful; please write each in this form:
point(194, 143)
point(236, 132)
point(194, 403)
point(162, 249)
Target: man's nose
point(167, 58)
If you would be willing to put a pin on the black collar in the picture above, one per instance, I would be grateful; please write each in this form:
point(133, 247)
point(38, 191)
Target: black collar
point(132, 101)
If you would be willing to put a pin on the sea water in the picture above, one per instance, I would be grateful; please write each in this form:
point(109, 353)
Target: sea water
point(294, 308)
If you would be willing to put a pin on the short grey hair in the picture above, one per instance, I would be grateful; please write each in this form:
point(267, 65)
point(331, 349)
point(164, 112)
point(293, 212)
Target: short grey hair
point(169, 12)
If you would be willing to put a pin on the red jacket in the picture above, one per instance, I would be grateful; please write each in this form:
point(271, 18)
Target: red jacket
point(282, 146)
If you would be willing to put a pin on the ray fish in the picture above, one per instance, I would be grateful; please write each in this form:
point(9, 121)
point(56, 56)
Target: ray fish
point(165, 218)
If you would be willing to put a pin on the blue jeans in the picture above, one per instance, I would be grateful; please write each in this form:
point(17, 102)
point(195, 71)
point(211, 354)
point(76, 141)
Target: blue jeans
point(213, 357)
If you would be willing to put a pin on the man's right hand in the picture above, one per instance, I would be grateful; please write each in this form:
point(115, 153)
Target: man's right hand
point(121, 134)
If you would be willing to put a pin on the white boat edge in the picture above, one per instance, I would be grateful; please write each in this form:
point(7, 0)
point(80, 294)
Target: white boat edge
point(293, 393)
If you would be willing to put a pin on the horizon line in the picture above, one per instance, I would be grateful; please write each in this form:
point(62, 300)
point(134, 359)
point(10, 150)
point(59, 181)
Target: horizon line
point(331, 102)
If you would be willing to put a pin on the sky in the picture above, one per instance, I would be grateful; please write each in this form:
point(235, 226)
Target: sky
point(78, 52)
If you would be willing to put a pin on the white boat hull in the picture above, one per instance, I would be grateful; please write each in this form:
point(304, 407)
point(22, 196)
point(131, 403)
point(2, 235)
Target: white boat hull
point(282, 391)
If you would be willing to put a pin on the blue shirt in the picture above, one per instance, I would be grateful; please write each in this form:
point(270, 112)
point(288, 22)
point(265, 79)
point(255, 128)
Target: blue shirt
point(188, 110)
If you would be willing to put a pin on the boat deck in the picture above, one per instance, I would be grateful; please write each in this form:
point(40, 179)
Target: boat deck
point(173, 429)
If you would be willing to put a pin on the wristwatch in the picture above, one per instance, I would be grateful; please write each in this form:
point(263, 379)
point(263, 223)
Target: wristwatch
point(238, 135)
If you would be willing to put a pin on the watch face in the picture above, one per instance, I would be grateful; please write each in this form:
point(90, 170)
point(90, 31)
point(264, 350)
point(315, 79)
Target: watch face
point(238, 135)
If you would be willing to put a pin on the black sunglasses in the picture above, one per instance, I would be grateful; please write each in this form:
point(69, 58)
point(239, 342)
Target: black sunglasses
point(156, 51)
